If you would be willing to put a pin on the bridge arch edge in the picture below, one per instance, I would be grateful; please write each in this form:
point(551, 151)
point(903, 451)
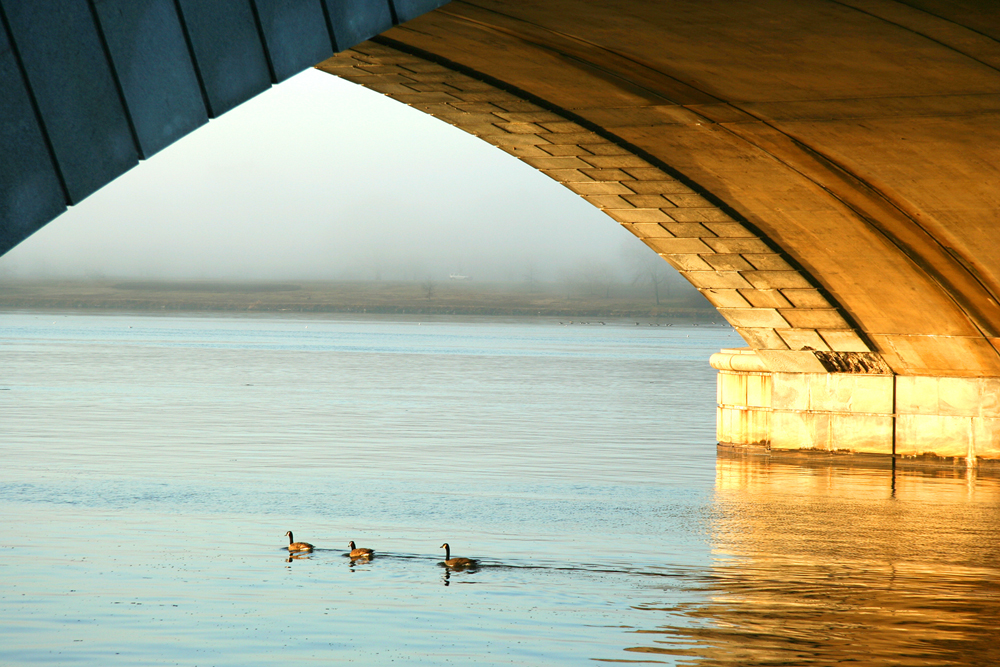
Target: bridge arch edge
point(782, 312)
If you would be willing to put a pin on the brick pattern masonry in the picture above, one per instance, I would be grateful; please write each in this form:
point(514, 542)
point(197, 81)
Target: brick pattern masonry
point(776, 308)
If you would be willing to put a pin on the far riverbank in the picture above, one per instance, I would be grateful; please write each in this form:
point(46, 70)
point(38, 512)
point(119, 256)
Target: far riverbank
point(386, 297)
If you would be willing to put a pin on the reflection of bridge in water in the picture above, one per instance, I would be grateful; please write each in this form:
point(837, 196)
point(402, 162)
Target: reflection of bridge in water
point(824, 172)
point(838, 564)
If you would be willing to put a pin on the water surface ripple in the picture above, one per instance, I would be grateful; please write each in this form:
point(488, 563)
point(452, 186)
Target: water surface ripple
point(152, 464)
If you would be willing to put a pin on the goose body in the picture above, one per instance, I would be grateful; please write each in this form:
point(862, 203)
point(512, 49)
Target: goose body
point(297, 546)
point(359, 553)
point(458, 563)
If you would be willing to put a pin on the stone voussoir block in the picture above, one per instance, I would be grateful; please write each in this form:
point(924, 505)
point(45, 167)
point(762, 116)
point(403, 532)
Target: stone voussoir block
point(685, 263)
point(754, 317)
point(765, 298)
point(578, 138)
point(607, 174)
point(530, 116)
point(511, 103)
point(692, 230)
point(599, 188)
point(726, 262)
point(519, 128)
point(563, 126)
point(791, 361)
point(807, 318)
point(422, 98)
point(438, 75)
point(430, 87)
point(567, 150)
point(802, 339)
point(645, 173)
point(523, 151)
point(526, 140)
point(806, 298)
point(729, 230)
point(844, 340)
point(777, 279)
point(689, 201)
point(762, 338)
point(604, 148)
point(460, 118)
point(638, 215)
point(718, 280)
point(381, 68)
point(380, 85)
point(649, 201)
point(387, 85)
point(437, 109)
point(555, 162)
point(704, 215)
point(649, 229)
point(478, 107)
point(725, 298)
point(617, 161)
point(732, 246)
point(767, 261)
point(608, 201)
point(567, 175)
point(662, 186)
point(687, 246)
point(492, 95)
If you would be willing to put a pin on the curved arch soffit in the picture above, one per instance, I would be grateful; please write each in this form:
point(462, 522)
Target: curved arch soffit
point(780, 310)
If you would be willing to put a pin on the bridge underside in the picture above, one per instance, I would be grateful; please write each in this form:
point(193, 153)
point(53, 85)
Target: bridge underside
point(825, 172)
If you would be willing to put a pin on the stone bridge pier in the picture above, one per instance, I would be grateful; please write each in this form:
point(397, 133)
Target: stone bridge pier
point(929, 419)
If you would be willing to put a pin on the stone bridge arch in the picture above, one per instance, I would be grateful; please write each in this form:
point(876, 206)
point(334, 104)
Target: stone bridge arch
point(777, 307)
point(824, 171)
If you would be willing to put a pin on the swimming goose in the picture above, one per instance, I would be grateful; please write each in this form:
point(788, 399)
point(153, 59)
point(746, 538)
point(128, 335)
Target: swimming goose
point(359, 553)
point(460, 563)
point(297, 546)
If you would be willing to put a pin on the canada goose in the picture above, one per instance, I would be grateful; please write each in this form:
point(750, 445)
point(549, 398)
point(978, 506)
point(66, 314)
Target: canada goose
point(297, 546)
point(460, 563)
point(359, 553)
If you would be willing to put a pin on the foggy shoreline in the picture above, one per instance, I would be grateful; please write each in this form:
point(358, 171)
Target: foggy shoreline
point(376, 297)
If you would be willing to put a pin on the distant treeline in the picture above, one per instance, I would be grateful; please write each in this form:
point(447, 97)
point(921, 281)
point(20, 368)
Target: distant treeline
point(427, 297)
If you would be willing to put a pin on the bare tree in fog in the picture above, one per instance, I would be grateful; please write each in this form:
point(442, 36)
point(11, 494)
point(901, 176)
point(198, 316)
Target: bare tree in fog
point(530, 275)
point(595, 276)
point(648, 268)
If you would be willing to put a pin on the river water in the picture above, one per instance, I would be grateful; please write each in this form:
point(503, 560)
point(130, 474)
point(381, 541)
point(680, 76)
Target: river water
point(151, 466)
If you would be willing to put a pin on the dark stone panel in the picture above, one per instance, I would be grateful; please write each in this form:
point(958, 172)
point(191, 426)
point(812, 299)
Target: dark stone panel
point(151, 58)
point(75, 90)
point(354, 21)
point(227, 51)
point(30, 193)
point(295, 34)
point(411, 9)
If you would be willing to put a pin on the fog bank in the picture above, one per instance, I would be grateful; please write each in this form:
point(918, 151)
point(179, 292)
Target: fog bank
point(321, 179)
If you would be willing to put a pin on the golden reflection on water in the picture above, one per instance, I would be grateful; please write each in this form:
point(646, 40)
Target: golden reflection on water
point(833, 563)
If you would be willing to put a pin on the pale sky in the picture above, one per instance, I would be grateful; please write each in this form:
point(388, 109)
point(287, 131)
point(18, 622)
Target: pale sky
point(320, 178)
